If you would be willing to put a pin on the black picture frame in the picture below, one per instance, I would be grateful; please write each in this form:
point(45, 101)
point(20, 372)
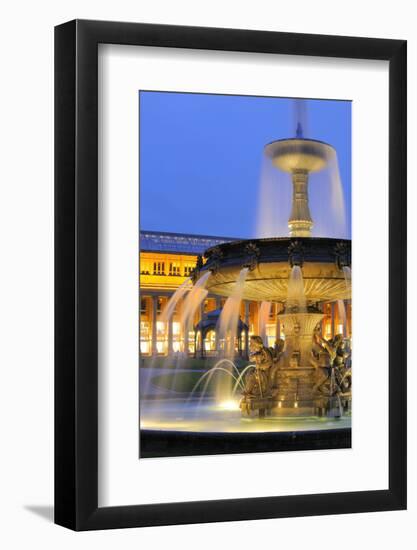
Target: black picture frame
point(76, 273)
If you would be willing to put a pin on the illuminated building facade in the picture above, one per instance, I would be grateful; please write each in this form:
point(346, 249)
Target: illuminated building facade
point(166, 261)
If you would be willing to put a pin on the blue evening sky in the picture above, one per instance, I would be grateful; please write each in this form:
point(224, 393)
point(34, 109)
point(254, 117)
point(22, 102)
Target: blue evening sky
point(201, 155)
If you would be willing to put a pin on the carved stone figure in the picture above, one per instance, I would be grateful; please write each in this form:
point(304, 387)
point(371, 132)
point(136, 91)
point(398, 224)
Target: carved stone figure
point(278, 349)
point(257, 381)
point(333, 374)
point(296, 253)
point(252, 255)
point(277, 352)
point(342, 254)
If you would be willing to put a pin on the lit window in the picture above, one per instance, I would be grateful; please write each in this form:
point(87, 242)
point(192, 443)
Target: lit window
point(144, 347)
point(144, 329)
point(160, 328)
point(159, 268)
point(270, 330)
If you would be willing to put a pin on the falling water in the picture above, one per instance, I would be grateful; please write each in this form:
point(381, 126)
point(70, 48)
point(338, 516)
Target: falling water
point(170, 306)
point(177, 361)
point(193, 301)
point(327, 201)
point(348, 282)
point(325, 190)
point(229, 317)
point(227, 326)
point(295, 294)
point(264, 312)
point(348, 279)
point(274, 201)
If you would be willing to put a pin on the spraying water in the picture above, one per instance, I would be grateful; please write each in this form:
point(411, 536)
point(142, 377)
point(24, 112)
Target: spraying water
point(296, 299)
point(222, 367)
point(224, 379)
point(241, 377)
point(301, 118)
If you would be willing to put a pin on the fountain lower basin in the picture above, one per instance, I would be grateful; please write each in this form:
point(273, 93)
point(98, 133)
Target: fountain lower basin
point(213, 417)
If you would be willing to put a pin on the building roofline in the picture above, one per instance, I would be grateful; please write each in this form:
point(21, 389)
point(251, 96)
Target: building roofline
point(198, 236)
point(168, 251)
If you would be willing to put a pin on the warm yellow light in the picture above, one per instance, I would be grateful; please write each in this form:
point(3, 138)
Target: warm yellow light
point(296, 405)
point(229, 405)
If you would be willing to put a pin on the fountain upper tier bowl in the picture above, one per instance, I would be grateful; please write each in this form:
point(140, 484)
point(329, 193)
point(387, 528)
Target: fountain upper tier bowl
point(270, 261)
point(299, 155)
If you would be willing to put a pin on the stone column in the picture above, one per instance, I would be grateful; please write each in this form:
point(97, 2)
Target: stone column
point(277, 329)
point(201, 332)
point(247, 330)
point(333, 315)
point(202, 352)
point(246, 312)
point(154, 317)
point(184, 329)
point(346, 319)
point(218, 306)
point(170, 336)
point(300, 222)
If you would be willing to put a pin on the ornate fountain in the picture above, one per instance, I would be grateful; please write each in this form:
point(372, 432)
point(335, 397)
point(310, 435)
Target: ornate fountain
point(305, 374)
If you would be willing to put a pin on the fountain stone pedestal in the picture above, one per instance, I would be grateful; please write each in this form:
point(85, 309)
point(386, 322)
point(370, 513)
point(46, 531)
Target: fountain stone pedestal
point(299, 328)
point(293, 377)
